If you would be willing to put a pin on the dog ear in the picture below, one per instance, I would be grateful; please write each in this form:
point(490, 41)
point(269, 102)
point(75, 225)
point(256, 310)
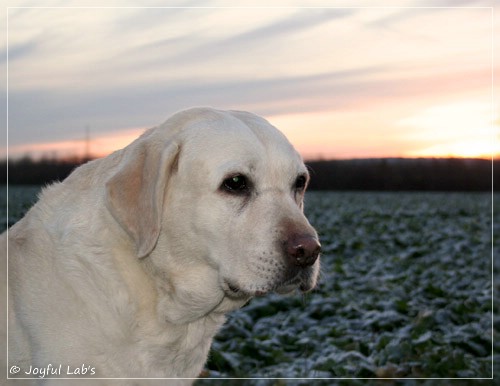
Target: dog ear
point(134, 195)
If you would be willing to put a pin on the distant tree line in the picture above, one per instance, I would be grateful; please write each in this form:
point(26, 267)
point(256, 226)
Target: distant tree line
point(27, 171)
point(402, 174)
point(385, 174)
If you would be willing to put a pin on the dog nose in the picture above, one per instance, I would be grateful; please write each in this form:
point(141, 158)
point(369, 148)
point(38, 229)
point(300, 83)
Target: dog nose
point(303, 250)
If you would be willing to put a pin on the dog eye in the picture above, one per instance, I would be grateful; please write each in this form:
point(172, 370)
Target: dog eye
point(236, 184)
point(300, 183)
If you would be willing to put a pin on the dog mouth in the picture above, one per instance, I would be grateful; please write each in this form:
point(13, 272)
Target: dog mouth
point(235, 291)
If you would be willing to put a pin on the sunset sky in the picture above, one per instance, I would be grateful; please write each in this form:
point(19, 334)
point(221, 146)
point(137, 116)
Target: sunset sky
point(382, 79)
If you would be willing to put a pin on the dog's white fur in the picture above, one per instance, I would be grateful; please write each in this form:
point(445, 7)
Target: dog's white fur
point(130, 264)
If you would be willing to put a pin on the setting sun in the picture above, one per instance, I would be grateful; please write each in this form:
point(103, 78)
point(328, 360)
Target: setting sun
point(461, 129)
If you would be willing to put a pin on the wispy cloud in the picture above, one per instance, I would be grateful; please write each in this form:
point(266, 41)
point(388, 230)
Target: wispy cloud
point(18, 51)
point(290, 25)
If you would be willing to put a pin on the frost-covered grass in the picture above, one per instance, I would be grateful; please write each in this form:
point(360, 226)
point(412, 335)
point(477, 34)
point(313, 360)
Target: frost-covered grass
point(21, 198)
point(405, 291)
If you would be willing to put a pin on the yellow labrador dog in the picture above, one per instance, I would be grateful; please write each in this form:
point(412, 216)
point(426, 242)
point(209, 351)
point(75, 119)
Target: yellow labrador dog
point(127, 268)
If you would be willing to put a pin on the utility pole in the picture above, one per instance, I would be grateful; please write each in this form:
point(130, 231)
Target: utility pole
point(87, 143)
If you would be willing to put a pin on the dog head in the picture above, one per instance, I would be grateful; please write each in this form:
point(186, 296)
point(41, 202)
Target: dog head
point(214, 199)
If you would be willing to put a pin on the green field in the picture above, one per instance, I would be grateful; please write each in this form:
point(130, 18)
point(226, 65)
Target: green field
point(405, 292)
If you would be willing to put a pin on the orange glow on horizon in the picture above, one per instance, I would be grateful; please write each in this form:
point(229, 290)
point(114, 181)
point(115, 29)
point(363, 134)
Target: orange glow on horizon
point(310, 149)
point(455, 130)
point(99, 146)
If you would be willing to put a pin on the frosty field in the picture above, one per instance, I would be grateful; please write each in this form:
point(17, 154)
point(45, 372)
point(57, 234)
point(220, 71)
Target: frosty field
point(405, 292)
